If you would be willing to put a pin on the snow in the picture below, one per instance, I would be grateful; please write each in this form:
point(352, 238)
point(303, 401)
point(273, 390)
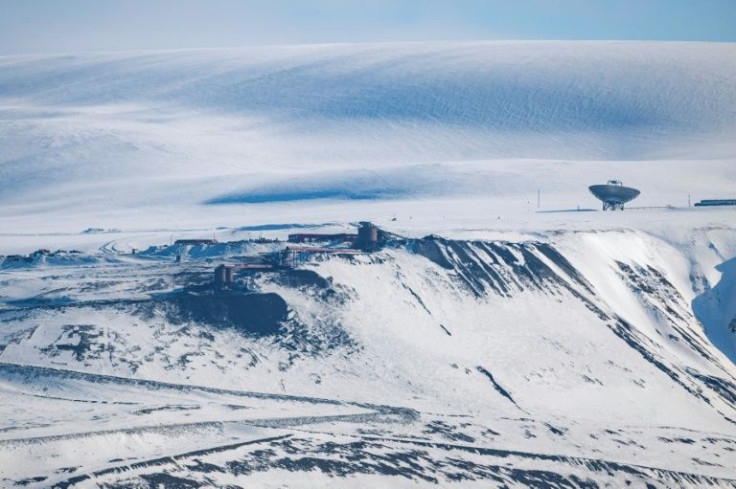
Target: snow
point(612, 362)
point(143, 139)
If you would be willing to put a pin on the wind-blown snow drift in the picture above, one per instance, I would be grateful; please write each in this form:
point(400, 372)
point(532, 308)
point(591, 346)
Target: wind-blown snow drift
point(186, 127)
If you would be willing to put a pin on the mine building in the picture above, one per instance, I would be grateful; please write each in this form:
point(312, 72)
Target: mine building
point(195, 242)
point(318, 237)
point(225, 274)
point(367, 237)
point(716, 203)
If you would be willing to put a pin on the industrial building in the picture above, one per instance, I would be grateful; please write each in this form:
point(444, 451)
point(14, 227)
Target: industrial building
point(369, 238)
point(195, 242)
point(716, 203)
point(318, 237)
point(225, 274)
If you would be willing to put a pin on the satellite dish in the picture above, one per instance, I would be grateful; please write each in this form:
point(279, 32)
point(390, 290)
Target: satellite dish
point(614, 195)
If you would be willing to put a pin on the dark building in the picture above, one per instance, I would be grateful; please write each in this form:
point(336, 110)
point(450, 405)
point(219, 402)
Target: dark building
point(367, 237)
point(715, 202)
point(317, 237)
point(195, 241)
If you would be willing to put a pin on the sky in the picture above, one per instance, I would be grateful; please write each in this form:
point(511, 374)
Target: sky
point(52, 26)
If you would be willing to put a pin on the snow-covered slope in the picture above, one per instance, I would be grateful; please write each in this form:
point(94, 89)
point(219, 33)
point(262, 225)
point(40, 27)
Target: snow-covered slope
point(575, 357)
point(501, 338)
point(94, 139)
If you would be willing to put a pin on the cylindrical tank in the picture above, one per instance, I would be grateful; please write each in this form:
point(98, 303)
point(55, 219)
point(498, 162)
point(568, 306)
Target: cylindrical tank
point(367, 235)
point(220, 276)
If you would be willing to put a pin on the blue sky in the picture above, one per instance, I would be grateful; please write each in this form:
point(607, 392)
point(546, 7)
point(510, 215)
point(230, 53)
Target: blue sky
point(38, 26)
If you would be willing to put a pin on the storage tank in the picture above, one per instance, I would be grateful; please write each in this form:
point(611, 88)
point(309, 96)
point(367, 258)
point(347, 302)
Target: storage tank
point(367, 236)
point(220, 276)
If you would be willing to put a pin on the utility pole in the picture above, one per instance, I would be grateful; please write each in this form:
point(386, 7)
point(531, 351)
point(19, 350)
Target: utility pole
point(539, 197)
point(688, 200)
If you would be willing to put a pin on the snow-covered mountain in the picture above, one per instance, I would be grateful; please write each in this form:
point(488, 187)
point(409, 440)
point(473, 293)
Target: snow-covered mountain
point(574, 360)
point(498, 338)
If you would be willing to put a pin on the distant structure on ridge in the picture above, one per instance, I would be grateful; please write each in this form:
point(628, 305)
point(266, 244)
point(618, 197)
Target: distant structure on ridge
point(715, 202)
point(614, 195)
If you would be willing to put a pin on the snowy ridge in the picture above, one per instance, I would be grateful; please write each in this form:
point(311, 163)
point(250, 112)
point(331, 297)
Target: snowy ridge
point(435, 361)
